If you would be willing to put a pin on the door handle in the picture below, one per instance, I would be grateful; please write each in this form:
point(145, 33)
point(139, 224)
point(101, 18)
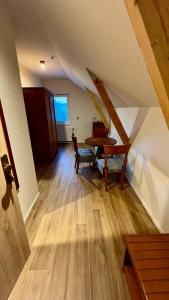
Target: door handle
point(7, 169)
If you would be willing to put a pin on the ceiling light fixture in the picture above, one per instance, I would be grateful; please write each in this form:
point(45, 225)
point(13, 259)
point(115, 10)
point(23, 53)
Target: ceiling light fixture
point(42, 64)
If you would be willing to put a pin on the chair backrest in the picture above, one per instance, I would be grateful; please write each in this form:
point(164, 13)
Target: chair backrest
point(116, 150)
point(101, 132)
point(75, 145)
point(97, 124)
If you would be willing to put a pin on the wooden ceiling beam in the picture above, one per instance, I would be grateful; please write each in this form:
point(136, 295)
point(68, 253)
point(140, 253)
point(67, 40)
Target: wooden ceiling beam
point(110, 108)
point(98, 108)
point(150, 19)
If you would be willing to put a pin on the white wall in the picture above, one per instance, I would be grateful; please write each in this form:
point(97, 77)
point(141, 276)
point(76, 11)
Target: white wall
point(148, 164)
point(79, 106)
point(29, 79)
point(128, 117)
point(13, 106)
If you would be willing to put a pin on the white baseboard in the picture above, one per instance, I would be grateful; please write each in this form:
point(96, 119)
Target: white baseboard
point(147, 209)
point(30, 209)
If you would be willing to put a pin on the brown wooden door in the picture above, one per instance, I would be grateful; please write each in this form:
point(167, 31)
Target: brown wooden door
point(14, 246)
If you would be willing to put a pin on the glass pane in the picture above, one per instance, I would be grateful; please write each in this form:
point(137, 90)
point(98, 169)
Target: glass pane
point(61, 109)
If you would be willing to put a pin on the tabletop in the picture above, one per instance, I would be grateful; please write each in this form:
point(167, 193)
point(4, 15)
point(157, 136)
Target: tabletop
point(100, 141)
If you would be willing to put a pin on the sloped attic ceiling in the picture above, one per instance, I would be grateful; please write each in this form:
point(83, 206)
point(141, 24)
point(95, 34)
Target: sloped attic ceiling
point(82, 33)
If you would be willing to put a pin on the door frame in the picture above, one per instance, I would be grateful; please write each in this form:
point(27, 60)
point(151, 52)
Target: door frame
point(2, 117)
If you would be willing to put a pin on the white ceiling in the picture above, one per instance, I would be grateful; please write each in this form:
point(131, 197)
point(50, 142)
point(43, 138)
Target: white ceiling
point(32, 41)
point(83, 33)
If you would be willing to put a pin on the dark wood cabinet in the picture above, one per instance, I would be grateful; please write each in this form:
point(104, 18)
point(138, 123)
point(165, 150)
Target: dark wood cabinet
point(39, 104)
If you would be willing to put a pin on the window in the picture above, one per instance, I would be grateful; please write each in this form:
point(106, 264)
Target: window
point(61, 109)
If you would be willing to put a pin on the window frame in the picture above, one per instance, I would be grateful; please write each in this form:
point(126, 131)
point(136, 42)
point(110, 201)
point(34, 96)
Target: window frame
point(67, 96)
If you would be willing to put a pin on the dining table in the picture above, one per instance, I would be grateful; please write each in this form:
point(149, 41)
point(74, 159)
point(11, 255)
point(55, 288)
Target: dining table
point(99, 141)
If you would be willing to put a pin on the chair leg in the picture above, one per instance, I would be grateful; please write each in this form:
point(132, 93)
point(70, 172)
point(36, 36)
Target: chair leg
point(106, 179)
point(75, 163)
point(122, 181)
point(117, 177)
point(77, 166)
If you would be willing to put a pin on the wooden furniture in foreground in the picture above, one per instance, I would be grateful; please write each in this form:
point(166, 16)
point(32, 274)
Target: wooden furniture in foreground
point(82, 155)
point(110, 108)
point(100, 141)
point(114, 161)
point(150, 19)
point(39, 104)
point(146, 266)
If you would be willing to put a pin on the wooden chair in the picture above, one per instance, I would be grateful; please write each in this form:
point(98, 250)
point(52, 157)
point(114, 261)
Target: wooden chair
point(82, 155)
point(97, 124)
point(114, 161)
point(101, 132)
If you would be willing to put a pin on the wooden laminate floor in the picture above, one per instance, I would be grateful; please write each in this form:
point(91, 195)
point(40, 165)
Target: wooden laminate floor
point(75, 232)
